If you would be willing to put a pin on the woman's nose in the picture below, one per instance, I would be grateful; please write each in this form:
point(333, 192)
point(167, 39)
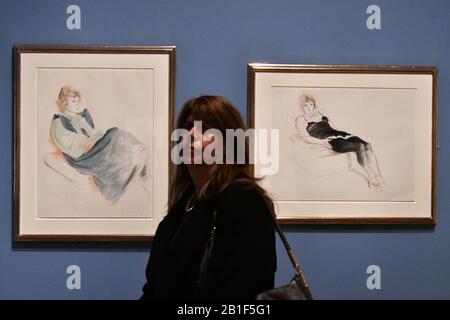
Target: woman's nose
point(193, 133)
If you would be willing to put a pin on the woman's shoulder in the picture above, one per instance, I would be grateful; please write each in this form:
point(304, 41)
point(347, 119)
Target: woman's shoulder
point(244, 197)
point(57, 120)
point(300, 118)
point(61, 123)
point(242, 187)
point(57, 116)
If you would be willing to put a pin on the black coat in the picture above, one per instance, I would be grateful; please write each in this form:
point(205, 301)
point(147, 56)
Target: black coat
point(243, 262)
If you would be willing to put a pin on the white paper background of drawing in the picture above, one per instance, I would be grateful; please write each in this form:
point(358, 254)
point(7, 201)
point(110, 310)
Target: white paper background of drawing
point(120, 98)
point(382, 117)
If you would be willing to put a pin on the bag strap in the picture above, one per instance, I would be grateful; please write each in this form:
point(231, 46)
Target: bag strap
point(288, 248)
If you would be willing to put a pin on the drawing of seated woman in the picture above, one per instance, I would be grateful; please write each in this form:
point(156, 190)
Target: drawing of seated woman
point(315, 127)
point(113, 159)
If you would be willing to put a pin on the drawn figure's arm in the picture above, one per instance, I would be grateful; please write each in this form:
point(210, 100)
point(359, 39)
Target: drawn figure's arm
point(67, 141)
point(300, 125)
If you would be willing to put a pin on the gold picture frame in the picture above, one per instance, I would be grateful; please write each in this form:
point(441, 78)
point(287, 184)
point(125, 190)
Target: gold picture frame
point(130, 96)
point(391, 109)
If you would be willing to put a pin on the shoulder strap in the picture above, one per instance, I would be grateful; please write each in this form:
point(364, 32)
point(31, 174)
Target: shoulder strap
point(288, 248)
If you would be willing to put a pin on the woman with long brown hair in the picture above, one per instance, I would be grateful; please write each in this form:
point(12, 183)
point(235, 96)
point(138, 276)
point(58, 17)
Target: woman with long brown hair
point(218, 203)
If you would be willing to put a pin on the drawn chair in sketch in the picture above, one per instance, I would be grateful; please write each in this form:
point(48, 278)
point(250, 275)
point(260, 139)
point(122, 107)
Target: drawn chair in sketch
point(73, 187)
point(325, 161)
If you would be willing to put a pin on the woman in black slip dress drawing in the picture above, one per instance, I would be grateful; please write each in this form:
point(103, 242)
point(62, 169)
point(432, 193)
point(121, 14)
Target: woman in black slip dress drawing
point(315, 128)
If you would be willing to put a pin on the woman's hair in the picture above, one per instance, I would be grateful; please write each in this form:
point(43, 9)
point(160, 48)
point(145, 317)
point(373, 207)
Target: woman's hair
point(218, 113)
point(66, 91)
point(304, 98)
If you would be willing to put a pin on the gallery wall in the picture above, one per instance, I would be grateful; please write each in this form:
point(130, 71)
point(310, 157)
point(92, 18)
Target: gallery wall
point(215, 40)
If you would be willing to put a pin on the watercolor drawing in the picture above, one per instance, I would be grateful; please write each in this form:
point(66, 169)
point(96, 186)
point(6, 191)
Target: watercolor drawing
point(111, 160)
point(94, 143)
point(315, 127)
point(344, 144)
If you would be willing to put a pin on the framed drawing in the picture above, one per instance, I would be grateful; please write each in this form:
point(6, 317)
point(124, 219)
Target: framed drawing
point(357, 144)
point(91, 149)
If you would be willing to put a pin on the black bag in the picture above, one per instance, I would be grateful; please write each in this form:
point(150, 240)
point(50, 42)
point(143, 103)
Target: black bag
point(297, 289)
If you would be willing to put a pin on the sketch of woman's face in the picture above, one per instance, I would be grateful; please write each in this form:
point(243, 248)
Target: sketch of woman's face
point(73, 104)
point(308, 107)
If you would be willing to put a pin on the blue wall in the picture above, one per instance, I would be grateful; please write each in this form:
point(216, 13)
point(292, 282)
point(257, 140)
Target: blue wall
point(215, 40)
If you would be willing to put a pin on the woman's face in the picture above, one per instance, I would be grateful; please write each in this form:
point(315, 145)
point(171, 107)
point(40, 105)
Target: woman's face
point(73, 104)
point(308, 107)
point(199, 140)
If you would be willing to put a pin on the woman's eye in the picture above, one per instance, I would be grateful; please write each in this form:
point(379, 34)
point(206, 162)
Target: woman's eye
point(188, 126)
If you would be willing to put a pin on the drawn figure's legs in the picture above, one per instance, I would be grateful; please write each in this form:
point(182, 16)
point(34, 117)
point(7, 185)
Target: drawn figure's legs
point(364, 154)
point(374, 163)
